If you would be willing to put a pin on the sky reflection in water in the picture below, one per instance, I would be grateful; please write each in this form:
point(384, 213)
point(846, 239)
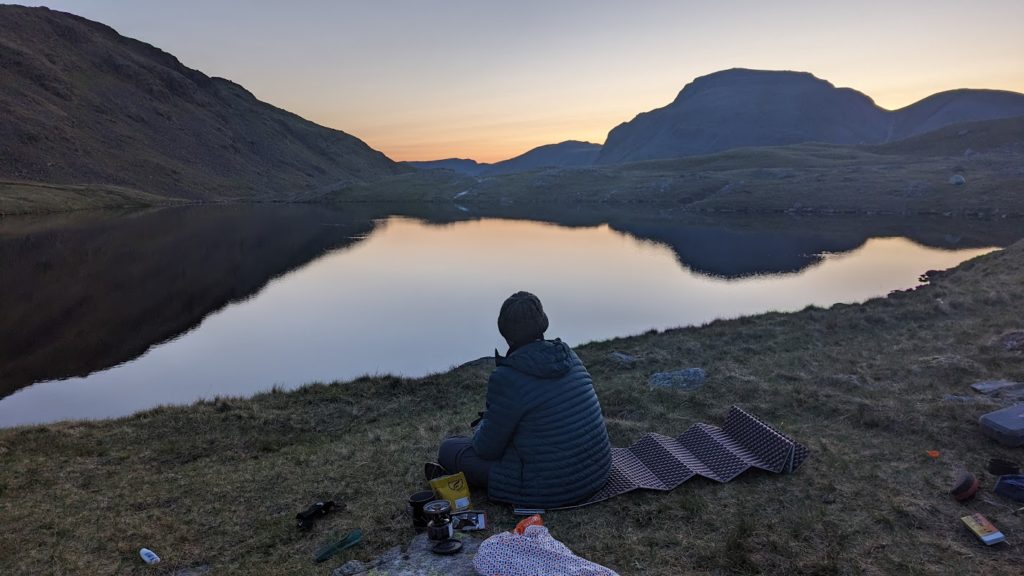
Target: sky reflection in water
point(416, 298)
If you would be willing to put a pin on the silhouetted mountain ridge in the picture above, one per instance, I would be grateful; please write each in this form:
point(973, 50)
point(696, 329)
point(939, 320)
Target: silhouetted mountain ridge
point(740, 108)
point(561, 155)
point(459, 165)
point(81, 104)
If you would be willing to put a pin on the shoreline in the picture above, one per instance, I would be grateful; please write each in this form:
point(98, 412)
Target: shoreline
point(130, 319)
point(861, 385)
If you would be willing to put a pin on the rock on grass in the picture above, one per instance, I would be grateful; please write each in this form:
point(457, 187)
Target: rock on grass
point(623, 360)
point(685, 379)
point(1012, 341)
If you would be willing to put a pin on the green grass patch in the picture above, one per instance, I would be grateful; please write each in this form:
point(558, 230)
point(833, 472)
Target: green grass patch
point(36, 198)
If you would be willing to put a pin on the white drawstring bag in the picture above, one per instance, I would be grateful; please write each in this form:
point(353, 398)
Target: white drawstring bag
point(535, 553)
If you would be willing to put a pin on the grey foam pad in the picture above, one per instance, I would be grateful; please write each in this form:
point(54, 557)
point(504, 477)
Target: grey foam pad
point(656, 462)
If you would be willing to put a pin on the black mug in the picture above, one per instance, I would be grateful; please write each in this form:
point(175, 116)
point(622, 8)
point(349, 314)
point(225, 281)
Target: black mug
point(416, 502)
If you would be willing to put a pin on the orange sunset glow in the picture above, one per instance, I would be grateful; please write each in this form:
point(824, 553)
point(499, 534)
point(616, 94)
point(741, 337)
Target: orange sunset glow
point(489, 81)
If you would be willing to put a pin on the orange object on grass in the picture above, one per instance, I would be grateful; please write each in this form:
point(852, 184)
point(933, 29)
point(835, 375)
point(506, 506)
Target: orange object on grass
point(933, 453)
point(534, 520)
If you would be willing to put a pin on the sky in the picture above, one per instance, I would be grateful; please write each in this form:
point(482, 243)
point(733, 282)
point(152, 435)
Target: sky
point(488, 80)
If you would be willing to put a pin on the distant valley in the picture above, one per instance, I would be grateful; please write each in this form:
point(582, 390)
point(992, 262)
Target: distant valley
point(92, 119)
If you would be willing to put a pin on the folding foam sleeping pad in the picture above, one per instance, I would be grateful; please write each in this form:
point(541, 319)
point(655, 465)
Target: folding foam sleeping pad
point(656, 462)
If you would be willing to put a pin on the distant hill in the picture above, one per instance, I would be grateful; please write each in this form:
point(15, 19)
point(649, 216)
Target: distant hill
point(459, 165)
point(738, 108)
point(953, 107)
point(741, 108)
point(562, 155)
point(81, 104)
point(965, 139)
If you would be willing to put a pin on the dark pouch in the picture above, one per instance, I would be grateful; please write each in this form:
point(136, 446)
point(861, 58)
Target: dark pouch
point(306, 518)
point(1002, 467)
point(1011, 486)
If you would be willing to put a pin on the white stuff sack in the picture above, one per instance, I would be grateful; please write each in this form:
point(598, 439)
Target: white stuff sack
point(532, 554)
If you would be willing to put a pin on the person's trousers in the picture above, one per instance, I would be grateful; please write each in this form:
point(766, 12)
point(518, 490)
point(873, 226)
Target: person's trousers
point(456, 454)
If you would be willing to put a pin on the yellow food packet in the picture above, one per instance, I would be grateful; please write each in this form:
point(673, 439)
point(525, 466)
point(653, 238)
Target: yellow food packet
point(454, 489)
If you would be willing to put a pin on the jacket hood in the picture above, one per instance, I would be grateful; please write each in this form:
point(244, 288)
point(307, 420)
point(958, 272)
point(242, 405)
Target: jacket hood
point(541, 359)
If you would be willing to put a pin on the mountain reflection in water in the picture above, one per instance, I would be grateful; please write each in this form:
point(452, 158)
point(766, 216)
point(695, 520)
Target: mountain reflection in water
point(87, 293)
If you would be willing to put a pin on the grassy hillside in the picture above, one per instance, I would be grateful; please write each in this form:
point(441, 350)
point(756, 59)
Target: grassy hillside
point(963, 140)
point(218, 483)
point(911, 177)
point(80, 104)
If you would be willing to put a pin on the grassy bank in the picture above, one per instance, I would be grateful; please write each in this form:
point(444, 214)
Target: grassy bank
point(37, 198)
point(218, 483)
point(803, 179)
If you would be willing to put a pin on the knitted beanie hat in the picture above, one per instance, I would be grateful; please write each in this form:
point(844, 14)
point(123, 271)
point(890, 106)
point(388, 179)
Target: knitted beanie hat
point(522, 319)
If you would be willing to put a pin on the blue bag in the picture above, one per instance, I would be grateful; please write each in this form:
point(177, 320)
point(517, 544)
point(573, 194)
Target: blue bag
point(1011, 486)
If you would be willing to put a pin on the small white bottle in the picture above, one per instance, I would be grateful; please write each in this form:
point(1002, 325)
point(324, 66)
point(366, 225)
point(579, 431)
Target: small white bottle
point(148, 556)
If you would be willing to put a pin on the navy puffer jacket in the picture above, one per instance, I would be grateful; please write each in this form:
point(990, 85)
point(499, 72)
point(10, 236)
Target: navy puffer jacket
point(544, 426)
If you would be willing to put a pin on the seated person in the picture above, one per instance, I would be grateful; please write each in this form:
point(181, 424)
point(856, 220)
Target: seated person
point(542, 442)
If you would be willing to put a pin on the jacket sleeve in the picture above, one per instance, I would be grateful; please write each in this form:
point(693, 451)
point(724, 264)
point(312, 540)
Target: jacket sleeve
point(504, 410)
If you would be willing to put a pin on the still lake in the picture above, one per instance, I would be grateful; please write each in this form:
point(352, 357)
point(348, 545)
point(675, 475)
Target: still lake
point(107, 314)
